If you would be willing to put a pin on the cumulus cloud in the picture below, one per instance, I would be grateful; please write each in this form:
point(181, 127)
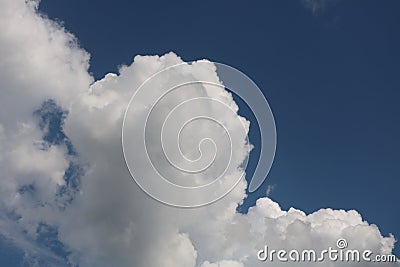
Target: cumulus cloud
point(105, 219)
point(40, 60)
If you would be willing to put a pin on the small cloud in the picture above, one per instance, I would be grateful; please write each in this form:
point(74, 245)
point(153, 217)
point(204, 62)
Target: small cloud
point(270, 189)
point(317, 6)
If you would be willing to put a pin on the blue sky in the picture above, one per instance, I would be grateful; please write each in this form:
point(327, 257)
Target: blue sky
point(329, 69)
point(331, 76)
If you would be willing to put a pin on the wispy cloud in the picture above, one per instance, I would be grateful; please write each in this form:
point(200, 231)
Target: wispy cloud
point(270, 189)
point(34, 252)
point(317, 6)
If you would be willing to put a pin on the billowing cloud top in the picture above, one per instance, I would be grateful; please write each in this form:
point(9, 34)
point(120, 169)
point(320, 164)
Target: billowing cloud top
point(63, 172)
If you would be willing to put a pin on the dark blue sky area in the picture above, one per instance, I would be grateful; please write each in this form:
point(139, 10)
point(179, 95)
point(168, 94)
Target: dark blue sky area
point(331, 78)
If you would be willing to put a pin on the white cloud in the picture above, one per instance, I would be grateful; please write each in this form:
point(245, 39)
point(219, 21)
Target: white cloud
point(111, 222)
point(39, 61)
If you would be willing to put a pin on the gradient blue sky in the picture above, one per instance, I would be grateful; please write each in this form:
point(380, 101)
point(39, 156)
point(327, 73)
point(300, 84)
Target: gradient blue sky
point(331, 75)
